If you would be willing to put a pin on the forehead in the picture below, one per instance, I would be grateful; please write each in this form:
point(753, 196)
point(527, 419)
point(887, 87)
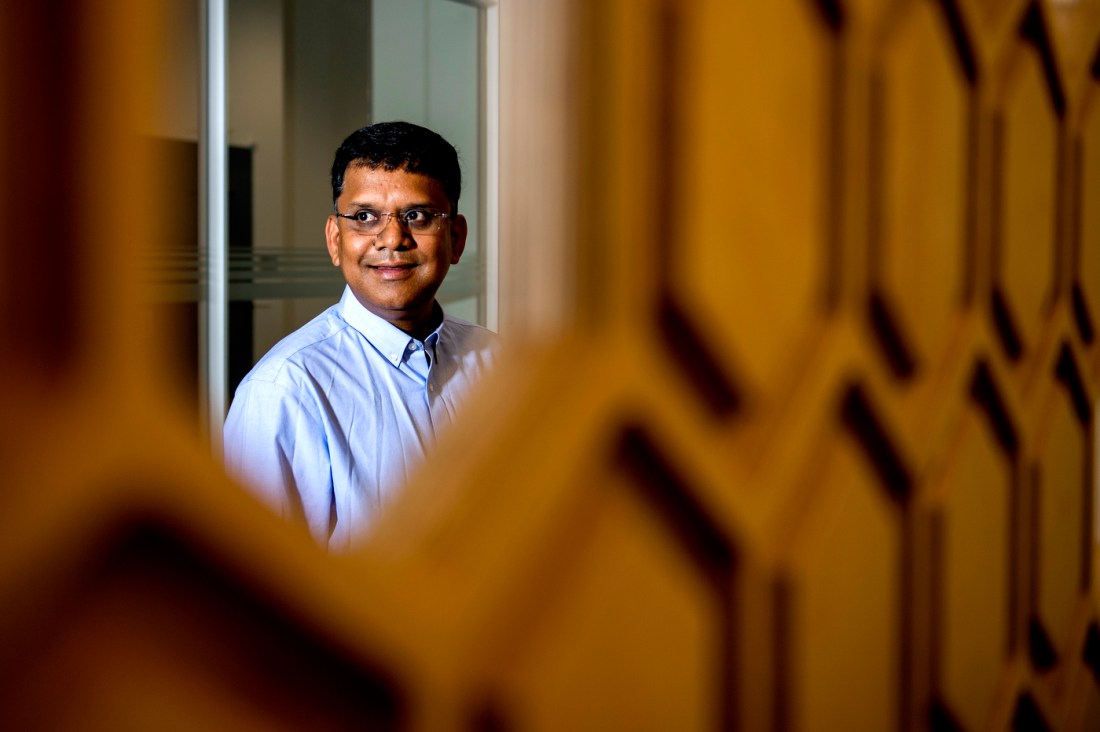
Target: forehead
point(363, 184)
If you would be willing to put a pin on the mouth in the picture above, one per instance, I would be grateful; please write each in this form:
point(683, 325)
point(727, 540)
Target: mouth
point(393, 270)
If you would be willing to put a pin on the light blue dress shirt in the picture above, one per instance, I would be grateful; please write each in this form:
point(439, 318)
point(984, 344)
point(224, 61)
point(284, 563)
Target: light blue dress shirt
point(340, 412)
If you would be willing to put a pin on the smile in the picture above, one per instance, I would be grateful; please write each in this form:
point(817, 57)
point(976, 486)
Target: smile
point(395, 271)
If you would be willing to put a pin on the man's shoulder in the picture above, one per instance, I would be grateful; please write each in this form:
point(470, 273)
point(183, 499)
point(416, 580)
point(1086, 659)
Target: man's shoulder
point(298, 349)
point(467, 335)
point(465, 329)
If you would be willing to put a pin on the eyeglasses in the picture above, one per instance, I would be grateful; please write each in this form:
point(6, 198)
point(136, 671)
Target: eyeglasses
point(414, 220)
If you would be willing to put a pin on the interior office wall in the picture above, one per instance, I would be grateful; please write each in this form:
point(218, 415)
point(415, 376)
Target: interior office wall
point(255, 66)
point(425, 70)
point(256, 102)
point(327, 81)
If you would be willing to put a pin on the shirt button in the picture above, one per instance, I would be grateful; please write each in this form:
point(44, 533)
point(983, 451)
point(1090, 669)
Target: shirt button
point(431, 387)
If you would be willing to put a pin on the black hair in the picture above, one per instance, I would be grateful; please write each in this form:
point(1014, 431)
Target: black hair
point(400, 146)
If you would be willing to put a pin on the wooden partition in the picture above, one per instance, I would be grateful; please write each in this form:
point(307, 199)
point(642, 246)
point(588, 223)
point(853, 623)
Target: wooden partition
point(796, 430)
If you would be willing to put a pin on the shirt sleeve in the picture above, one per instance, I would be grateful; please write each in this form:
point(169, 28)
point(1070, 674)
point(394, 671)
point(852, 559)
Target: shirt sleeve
point(275, 444)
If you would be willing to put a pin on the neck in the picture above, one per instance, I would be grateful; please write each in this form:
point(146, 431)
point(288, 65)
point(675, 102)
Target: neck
point(421, 328)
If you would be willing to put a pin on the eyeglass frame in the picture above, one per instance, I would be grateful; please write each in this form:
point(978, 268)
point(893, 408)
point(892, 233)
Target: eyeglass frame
point(395, 216)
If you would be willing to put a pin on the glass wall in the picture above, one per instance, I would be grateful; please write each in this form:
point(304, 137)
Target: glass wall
point(301, 75)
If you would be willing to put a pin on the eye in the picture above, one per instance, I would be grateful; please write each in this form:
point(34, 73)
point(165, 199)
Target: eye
point(417, 216)
point(365, 217)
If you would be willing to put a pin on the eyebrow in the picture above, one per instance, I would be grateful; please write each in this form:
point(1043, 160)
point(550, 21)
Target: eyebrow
point(364, 204)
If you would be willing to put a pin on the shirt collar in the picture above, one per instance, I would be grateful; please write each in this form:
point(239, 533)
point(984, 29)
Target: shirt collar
point(389, 340)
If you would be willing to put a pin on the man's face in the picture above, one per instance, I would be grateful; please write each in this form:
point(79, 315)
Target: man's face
point(392, 273)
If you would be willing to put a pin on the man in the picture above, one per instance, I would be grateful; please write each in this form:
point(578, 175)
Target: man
point(339, 413)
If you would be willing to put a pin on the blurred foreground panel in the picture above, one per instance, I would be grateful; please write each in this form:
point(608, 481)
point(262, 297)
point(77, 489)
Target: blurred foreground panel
point(797, 429)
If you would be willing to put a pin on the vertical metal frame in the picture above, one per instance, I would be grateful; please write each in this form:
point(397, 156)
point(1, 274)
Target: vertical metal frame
point(488, 110)
point(213, 214)
point(489, 124)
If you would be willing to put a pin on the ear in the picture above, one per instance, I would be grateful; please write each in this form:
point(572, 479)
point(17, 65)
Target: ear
point(332, 240)
point(459, 229)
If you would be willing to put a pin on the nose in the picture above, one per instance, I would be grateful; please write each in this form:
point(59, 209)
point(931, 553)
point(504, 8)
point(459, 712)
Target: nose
point(393, 235)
